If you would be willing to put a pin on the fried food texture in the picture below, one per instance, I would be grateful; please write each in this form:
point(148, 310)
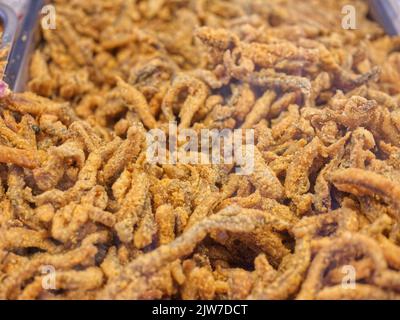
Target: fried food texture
point(84, 214)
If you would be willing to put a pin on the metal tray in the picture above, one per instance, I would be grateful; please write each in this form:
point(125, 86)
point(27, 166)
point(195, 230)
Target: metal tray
point(17, 70)
point(387, 13)
point(9, 22)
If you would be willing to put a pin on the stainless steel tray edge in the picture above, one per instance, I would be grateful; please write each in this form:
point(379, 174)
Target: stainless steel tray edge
point(17, 70)
point(9, 21)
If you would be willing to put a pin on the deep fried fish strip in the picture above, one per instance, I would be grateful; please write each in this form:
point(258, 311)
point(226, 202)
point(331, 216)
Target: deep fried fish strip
point(15, 238)
point(273, 80)
point(297, 182)
point(165, 219)
point(267, 55)
point(126, 153)
point(132, 207)
point(196, 93)
point(321, 228)
point(28, 102)
point(340, 250)
point(23, 158)
point(82, 255)
point(132, 281)
point(83, 281)
point(288, 281)
point(362, 182)
point(260, 109)
point(136, 102)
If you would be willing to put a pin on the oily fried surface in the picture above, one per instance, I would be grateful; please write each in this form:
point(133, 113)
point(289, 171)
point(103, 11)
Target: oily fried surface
point(78, 194)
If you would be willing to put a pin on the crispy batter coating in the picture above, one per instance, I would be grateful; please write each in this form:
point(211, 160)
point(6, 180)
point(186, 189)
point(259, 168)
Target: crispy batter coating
point(362, 182)
point(339, 252)
point(79, 197)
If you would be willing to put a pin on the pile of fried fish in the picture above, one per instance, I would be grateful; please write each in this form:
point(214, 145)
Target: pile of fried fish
point(82, 207)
